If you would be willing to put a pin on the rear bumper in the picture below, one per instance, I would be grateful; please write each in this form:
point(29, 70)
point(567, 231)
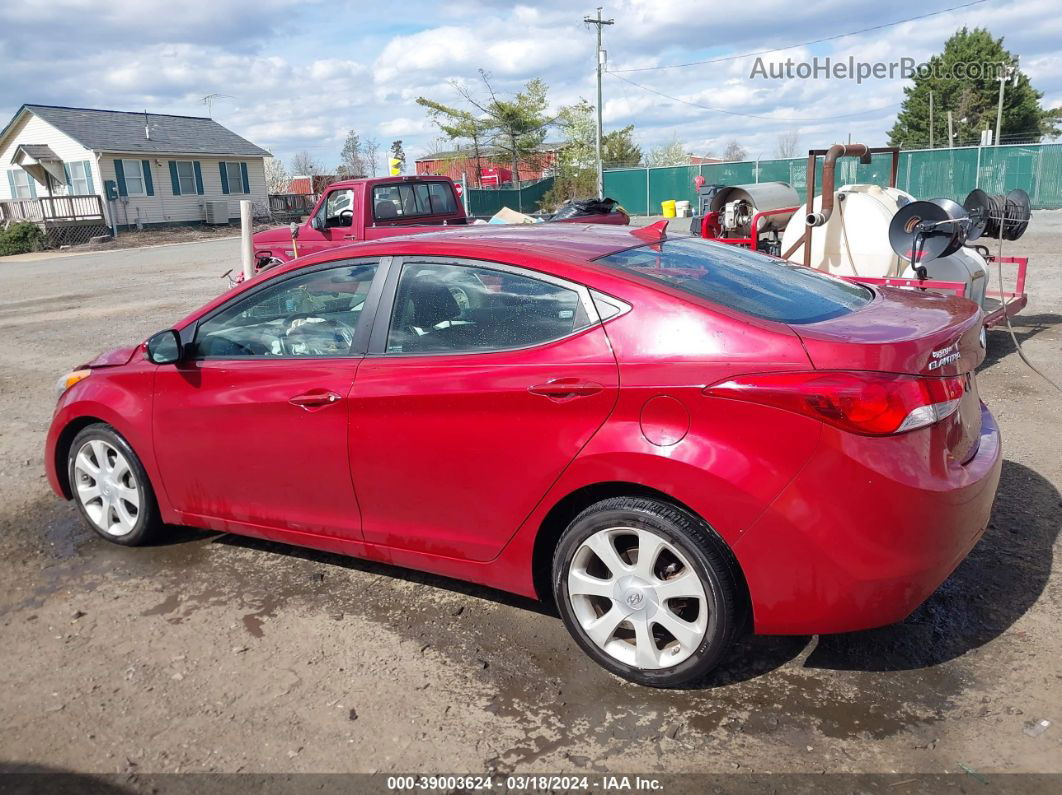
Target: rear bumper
point(867, 531)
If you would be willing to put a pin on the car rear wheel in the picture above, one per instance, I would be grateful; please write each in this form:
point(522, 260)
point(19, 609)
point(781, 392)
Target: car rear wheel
point(647, 590)
point(110, 487)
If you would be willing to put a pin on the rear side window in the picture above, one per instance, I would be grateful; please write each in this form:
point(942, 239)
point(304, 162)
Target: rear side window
point(449, 308)
point(409, 200)
point(743, 280)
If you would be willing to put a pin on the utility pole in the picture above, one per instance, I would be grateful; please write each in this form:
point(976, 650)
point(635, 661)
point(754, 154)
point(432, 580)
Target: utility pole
point(600, 66)
point(930, 119)
point(1008, 71)
point(951, 132)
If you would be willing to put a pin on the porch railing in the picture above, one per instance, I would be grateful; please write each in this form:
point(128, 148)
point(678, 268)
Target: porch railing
point(54, 209)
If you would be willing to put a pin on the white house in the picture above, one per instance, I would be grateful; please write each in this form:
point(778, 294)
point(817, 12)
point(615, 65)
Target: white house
point(148, 168)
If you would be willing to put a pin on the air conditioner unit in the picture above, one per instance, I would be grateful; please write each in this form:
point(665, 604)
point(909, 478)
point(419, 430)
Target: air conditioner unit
point(217, 212)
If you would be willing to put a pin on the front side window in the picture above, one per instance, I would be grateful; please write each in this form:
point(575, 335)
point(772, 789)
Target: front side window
point(134, 177)
point(78, 178)
point(235, 177)
point(338, 209)
point(22, 185)
point(186, 176)
point(313, 314)
point(448, 308)
point(736, 278)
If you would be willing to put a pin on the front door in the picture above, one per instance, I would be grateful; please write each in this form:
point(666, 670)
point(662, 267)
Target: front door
point(252, 426)
point(481, 388)
point(332, 225)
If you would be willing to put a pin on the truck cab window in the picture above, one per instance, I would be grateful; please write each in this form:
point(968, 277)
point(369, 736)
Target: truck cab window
point(338, 209)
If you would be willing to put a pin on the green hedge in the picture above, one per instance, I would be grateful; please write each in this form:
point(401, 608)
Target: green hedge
point(21, 238)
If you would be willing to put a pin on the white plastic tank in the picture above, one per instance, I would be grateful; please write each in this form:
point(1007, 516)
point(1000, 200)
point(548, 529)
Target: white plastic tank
point(855, 239)
point(965, 265)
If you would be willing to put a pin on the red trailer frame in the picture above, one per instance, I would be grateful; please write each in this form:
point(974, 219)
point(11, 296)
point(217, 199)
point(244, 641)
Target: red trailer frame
point(1010, 302)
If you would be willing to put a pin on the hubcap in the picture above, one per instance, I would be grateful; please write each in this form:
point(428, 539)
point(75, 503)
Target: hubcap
point(637, 597)
point(106, 487)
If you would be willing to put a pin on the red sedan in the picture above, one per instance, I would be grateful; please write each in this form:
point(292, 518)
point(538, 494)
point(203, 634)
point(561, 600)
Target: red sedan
point(674, 440)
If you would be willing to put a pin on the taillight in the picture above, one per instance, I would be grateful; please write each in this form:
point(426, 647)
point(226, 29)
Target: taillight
point(874, 404)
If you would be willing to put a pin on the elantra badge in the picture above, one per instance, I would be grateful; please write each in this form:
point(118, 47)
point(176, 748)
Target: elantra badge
point(944, 356)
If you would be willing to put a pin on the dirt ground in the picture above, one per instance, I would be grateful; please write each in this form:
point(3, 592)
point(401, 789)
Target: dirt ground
point(159, 237)
point(216, 653)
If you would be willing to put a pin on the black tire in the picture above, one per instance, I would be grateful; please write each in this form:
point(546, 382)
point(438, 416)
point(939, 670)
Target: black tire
point(710, 559)
point(148, 522)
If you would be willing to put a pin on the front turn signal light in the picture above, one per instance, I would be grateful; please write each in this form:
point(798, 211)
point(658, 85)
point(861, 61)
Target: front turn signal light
point(69, 380)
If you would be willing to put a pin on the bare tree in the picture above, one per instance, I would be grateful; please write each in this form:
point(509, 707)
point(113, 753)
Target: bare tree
point(351, 158)
point(277, 179)
point(787, 144)
point(303, 164)
point(372, 156)
point(734, 151)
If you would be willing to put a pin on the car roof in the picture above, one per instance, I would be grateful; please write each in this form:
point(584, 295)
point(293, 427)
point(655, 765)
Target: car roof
point(393, 180)
point(571, 242)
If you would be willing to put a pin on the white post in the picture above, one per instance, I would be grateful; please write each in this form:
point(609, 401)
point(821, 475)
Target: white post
point(247, 254)
point(648, 209)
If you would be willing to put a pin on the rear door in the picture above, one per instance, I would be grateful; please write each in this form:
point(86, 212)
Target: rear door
point(483, 382)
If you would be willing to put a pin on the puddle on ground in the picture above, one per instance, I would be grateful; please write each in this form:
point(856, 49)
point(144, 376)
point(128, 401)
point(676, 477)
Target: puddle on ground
point(874, 684)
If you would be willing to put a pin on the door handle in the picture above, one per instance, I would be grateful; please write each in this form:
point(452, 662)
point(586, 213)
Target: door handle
point(562, 388)
point(315, 399)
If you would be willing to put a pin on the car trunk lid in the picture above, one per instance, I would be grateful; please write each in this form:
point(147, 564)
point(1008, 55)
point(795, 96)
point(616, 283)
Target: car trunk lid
point(913, 333)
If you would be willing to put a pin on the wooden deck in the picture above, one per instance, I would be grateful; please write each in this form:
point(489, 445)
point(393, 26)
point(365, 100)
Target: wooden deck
point(65, 220)
point(53, 211)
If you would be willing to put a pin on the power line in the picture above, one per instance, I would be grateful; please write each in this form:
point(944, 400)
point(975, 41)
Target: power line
point(751, 115)
point(805, 43)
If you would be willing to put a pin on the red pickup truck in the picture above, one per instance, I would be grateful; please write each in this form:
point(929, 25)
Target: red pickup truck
point(365, 209)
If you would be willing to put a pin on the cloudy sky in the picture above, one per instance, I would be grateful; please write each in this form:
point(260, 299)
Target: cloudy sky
point(297, 74)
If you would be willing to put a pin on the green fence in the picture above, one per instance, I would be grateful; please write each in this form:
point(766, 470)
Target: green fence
point(924, 173)
point(484, 202)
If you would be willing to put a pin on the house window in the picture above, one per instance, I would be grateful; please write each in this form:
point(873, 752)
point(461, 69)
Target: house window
point(235, 176)
point(79, 180)
point(186, 176)
point(134, 178)
point(22, 185)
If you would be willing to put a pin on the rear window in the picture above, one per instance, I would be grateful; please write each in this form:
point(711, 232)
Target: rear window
point(743, 280)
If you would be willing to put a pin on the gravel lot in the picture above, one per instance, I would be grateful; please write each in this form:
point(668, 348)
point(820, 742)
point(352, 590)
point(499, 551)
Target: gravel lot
point(216, 653)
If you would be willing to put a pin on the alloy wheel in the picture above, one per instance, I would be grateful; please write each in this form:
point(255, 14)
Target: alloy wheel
point(637, 597)
point(106, 487)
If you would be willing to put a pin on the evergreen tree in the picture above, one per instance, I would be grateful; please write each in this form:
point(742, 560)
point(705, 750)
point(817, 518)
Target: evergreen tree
point(618, 148)
point(972, 98)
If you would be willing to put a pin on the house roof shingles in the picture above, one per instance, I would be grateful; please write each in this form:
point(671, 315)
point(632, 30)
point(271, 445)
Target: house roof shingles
point(123, 131)
point(38, 151)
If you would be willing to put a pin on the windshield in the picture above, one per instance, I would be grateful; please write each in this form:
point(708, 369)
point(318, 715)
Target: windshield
point(736, 278)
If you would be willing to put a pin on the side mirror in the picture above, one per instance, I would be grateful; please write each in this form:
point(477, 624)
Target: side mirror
point(317, 223)
point(164, 347)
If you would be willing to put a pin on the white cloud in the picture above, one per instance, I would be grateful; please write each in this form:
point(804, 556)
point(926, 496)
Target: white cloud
point(297, 75)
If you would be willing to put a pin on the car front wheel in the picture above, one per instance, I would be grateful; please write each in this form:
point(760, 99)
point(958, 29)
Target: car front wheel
point(111, 488)
point(647, 590)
